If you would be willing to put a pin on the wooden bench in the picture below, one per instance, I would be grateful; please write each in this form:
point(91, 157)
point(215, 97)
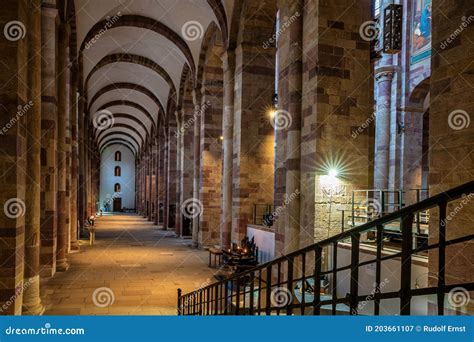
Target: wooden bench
point(217, 253)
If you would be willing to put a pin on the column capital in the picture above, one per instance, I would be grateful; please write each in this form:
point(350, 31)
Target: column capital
point(384, 75)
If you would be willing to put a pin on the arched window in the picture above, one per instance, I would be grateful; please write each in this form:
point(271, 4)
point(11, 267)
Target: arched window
point(117, 187)
point(118, 171)
point(118, 156)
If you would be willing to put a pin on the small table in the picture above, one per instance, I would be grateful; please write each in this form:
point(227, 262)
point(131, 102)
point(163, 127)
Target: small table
point(217, 253)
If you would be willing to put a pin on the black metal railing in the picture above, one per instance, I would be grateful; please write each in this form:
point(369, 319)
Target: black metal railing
point(307, 281)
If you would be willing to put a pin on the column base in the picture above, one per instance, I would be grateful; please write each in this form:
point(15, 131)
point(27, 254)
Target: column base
point(75, 246)
point(32, 305)
point(62, 265)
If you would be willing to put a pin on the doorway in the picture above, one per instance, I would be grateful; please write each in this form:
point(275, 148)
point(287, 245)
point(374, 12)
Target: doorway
point(117, 205)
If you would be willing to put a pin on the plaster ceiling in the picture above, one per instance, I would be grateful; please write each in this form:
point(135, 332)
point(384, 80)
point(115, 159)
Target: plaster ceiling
point(129, 27)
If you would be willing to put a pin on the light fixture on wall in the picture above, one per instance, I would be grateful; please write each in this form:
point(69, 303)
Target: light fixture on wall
point(392, 29)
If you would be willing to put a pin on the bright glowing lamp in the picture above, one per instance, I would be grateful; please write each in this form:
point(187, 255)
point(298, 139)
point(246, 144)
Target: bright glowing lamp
point(333, 173)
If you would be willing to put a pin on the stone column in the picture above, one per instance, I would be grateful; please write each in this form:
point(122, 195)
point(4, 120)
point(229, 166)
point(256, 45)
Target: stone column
point(179, 172)
point(31, 293)
point(197, 158)
point(382, 129)
point(172, 173)
point(157, 180)
point(74, 160)
point(49, 143)
point(150, 175)
point(82, 163)
point(293, 153)
point(63, 108)
point(253, 132)
point(228, 135)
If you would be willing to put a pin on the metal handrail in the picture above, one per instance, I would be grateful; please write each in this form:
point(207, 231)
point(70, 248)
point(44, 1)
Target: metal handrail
point(214, 299)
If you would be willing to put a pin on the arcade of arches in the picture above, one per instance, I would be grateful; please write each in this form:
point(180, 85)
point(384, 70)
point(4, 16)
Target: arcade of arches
point(169, 127)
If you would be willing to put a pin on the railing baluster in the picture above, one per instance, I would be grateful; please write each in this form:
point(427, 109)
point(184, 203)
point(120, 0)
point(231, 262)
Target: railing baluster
point(441, 257)
point(378, 268)
point(226, 296)
point(259, 290)
point(303, 282)
point(278, 284)
point(268, 303)
point(216, 296)
point(208, 301)
point(318, 255)
point(334, 277)
point(179, 302)
point(252, 279)
point(354, 287)
point(407, 248)
point(237, 296)
point(289, 305)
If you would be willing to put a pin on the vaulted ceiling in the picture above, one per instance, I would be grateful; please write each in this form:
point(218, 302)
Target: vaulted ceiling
point(133, 53)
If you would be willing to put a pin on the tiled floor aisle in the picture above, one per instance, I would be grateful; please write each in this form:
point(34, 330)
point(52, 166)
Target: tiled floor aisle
point(141, 265)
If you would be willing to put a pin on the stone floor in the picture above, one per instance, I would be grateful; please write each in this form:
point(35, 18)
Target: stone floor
point(134, 268)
